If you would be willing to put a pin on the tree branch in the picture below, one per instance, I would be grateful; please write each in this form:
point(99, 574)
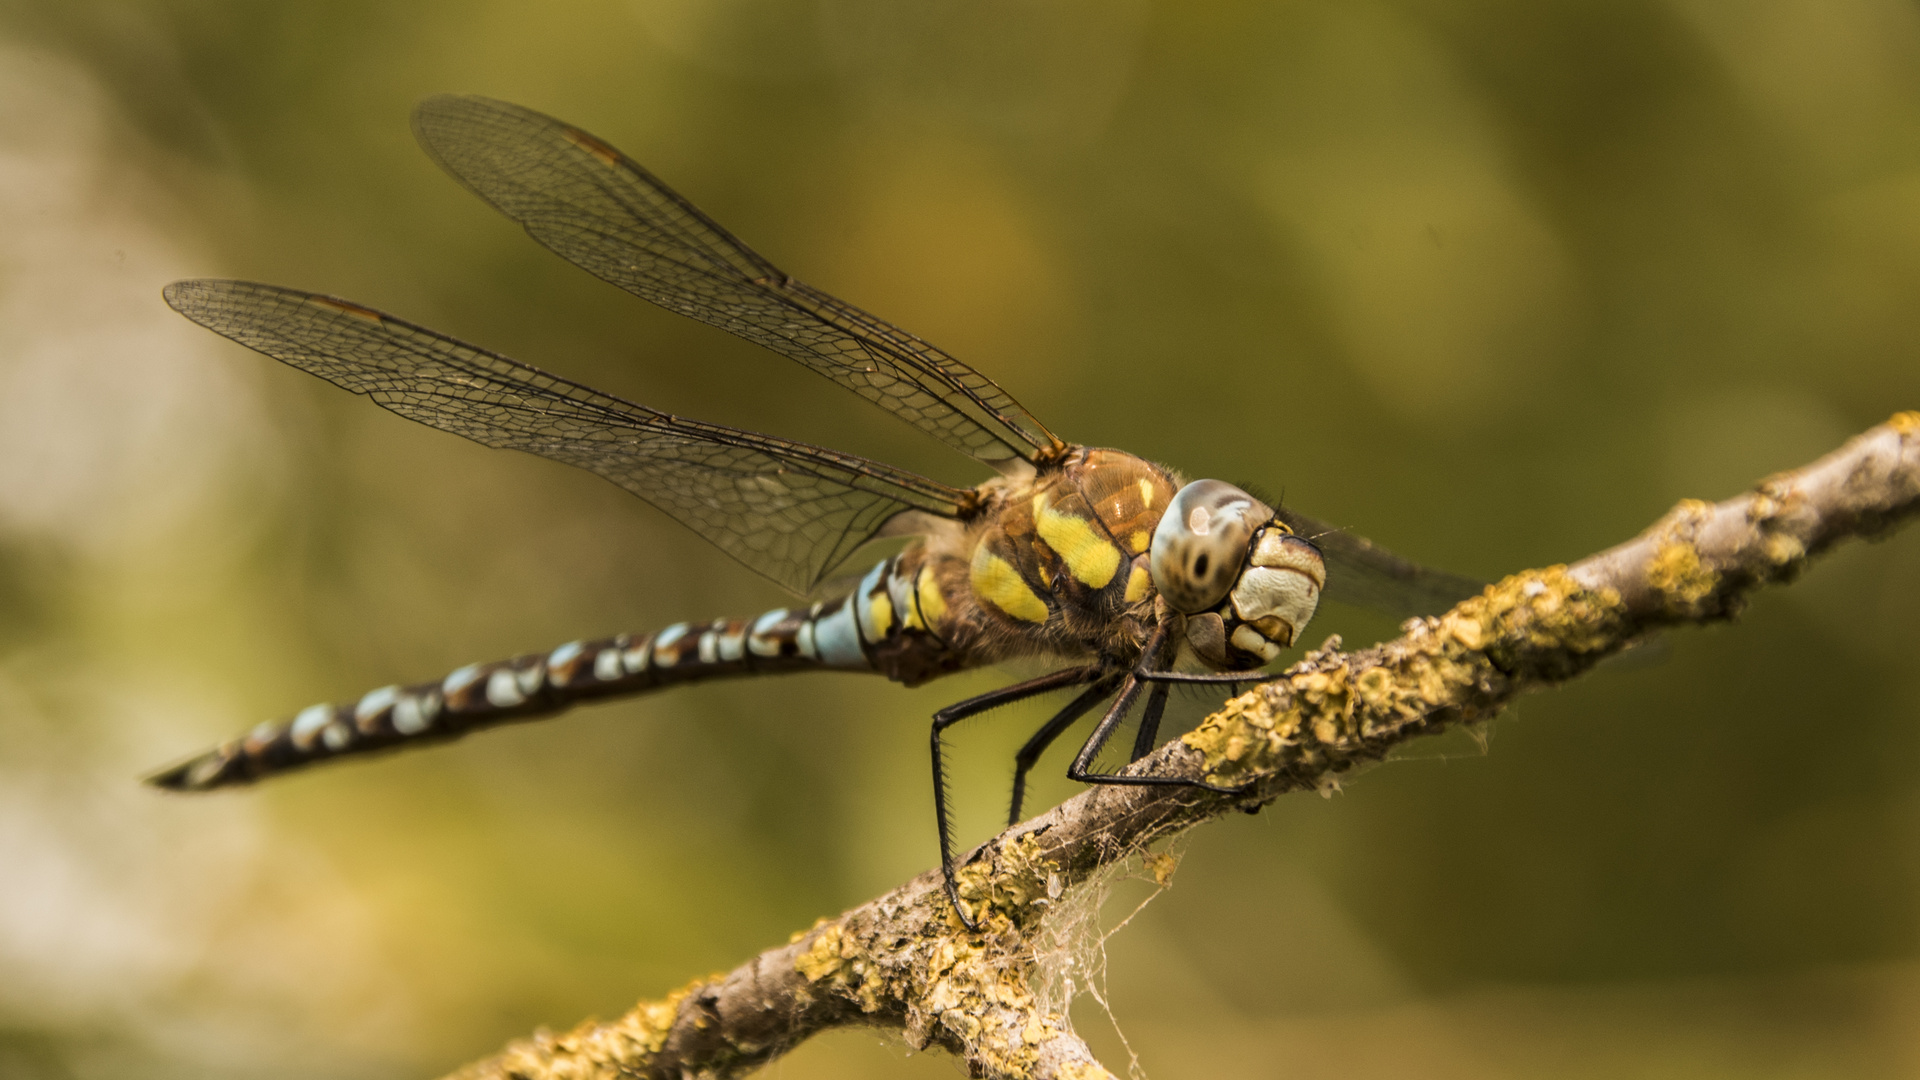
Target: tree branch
point(904, 961)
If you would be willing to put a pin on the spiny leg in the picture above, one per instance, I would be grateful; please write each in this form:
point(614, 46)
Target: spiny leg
point(1150, 655)
point(973, 706)
point(1214, 677)
point(1163, 681)
point(1150, 722)
point(1147, 671)
point(1081, 768)
point(1023, 762)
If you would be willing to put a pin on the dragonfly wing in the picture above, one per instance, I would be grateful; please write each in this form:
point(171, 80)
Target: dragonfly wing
point(600, 210)
point(1364, 574)
point(789, 510)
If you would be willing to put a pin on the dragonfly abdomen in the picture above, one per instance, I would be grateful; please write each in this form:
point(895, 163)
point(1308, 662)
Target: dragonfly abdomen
point(876, 627)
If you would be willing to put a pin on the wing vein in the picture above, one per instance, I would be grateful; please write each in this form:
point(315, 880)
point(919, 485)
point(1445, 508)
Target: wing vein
point(787, 509)
point(602, 211)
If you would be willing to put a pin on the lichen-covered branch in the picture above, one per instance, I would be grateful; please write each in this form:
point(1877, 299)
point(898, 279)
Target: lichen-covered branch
point(905, 961)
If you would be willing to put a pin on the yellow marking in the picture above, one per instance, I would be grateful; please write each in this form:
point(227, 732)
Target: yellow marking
point(998, 583)
point(1139, 540)
point(933, 605)
point(880, 607)
point(343, 307)
point(1146, 493)
point(1138, 585)
point(1088, 557)
point(911, 617)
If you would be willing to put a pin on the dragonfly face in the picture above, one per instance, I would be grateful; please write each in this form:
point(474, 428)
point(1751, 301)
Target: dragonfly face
point(1093, 556)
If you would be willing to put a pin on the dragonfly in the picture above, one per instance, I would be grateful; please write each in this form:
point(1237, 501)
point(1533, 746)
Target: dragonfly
point(1131, 576)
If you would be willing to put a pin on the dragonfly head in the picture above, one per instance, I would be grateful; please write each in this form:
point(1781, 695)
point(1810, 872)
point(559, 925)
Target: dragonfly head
point(1246, 582)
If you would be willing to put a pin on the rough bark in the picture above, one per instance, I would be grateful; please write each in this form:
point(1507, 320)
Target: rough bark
point(904, 961)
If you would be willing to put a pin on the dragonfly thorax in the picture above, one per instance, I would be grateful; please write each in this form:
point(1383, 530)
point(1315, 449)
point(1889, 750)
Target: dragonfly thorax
point(1059, 562)
point(1072, 559)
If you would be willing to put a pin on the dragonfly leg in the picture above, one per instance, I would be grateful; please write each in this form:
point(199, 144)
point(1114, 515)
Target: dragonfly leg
point(1023, 762)
point(1081, 769)
point(1150, 721)
point(1230, 678)
point(974, 706)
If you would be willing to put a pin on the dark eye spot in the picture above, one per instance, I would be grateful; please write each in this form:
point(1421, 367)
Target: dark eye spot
point(1200, 566)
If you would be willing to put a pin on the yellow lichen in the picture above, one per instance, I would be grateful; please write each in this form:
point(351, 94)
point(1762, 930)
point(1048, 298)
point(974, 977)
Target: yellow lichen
point(1328, 696)
point(1375, 687)
point(1676, 570)
point(1677, 573)
point(1547, 610)
point(972, 984)
point(1775, 498)
point(1464, 629)
point(1082, 1070)
point(822, 958)
point(1322, 714)
point(1906, 423)
point(1009, 883)
point(1245, 739)
point(1784, 550)
point(837, 961)
point(970, 975)
point(592, 1050)
point(1161, 865)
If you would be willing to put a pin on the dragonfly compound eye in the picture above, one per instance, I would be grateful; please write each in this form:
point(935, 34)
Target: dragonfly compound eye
point(1202, 542)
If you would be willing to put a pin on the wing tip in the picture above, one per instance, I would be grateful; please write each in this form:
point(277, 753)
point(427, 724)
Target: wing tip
point(436, 106)
point(179, 295)
point(430, 111)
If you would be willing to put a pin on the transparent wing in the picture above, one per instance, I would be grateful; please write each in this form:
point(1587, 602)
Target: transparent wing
point(1362, 573)
point(789, 510)
point(600, 210)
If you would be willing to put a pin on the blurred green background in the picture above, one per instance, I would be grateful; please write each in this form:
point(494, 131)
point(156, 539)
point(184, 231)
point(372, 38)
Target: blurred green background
point(1492, 281)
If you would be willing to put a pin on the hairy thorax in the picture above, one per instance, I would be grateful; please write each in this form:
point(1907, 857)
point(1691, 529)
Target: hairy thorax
point(1055, 563)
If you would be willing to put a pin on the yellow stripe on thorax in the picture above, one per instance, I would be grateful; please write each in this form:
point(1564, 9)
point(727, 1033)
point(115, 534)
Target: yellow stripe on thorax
point(880, 607)
point(996, 581)
point(910, 618)
point(1088, 555)
point(933, 603)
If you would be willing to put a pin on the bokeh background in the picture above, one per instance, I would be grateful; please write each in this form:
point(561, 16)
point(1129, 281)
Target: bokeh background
point(1492, 281)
